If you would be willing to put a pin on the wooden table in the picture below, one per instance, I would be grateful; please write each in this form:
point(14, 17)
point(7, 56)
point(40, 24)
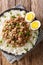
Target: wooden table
point(36, 56)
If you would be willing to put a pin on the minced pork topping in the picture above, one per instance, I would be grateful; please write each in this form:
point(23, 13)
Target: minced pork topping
point(16, 31)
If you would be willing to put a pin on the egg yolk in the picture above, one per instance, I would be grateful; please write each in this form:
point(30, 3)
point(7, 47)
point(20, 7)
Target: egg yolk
point(35, 24)
point(30, 17)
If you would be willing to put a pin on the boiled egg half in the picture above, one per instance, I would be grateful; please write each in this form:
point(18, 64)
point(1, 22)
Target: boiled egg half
point(30, 16)
point(35, 25)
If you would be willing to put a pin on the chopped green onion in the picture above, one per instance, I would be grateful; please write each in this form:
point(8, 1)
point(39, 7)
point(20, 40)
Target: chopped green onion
point(24, 13)
point(0, 41)
point(18, 14)
point(26, 49)
point(0, 20)
point(31, 43)
point(13, 16)
point(17, 24)
point(10, 12)
point(20, 33)
point(33, 37)
point(28, 33)
point(4, 16)
point(35, 33)
point(7, 45)
point(13, 46)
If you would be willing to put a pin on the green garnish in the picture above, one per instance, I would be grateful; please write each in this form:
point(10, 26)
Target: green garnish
point(24, 13)
point(35, 33)
point(0, 41)
point(33, 37)
point(20, 33)
point(13, 16)
point(10, 12)
point(7, 45)
point(28, 33)
point(26, 49)
point(31, 43)
point(18, 14)
point(4, 16)
point(0, 20)
point(17, 24)
point(13, 46)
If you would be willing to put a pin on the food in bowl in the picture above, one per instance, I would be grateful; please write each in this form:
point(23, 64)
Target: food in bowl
point(16, 35)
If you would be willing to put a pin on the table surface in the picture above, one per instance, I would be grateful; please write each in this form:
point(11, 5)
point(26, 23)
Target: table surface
point(36, 56)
